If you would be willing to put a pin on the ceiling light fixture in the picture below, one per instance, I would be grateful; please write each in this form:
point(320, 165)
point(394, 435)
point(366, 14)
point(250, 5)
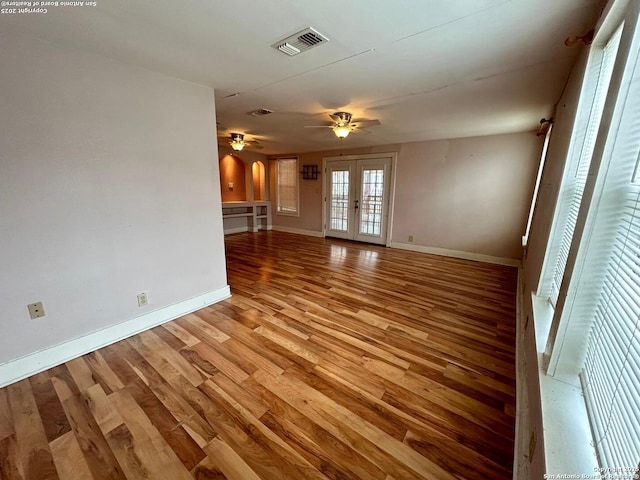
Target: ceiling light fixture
point(342, 131)
point(343, 126)
point(237, 141)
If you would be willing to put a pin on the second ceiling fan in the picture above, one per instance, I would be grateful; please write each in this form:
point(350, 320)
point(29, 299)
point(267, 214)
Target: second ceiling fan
point(237, 141)
point(344, 124)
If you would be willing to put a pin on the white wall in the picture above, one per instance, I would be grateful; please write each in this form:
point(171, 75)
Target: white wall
point(466, 194)
point(109, 187)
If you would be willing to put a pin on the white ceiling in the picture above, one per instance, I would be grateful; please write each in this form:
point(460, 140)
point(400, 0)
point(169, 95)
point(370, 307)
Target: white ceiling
point(426, 69)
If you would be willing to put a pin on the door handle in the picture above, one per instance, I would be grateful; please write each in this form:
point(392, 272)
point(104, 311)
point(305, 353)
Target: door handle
point(356, 205)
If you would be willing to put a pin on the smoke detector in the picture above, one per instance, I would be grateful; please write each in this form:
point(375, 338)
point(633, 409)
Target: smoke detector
point(300, 42)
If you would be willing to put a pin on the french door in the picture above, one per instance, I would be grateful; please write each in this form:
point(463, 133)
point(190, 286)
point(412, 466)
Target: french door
point(357, 199)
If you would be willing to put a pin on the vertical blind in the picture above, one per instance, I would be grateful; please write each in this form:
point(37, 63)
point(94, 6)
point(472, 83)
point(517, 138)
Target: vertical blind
point(611, 372)
point(287, 185)
point(571, 196)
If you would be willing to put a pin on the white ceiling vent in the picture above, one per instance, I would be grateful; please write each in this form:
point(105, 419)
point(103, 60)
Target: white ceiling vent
point(300, 42)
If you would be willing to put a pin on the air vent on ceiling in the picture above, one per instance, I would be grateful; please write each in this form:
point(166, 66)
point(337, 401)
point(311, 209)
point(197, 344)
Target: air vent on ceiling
point(261, 112)
point(300, 42)
point(288, 49)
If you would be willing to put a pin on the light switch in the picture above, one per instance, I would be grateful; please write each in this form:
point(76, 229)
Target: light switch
point(230, 185)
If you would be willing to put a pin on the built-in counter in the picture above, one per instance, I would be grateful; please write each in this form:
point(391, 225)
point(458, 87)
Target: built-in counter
point(246, 216)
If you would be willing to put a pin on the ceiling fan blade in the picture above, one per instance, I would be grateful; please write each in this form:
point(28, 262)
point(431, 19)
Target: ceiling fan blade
point(318, 126)
point(365, 122)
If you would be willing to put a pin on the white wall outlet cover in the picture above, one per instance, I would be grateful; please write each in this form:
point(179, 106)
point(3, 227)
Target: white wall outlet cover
point(36, 310)
point(143, 299)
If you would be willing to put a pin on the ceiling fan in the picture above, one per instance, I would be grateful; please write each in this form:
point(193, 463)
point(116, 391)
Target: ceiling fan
point(344, 124)
point(238, 142)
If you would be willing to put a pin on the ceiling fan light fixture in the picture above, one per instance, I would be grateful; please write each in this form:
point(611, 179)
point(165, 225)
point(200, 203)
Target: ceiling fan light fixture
point(342, 131)
point(237, 141)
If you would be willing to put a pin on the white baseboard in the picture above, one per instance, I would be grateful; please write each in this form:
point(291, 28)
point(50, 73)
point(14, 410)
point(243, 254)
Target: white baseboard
point(445, 252)
point(231, 231)
point(36, 362)
point(297, 231)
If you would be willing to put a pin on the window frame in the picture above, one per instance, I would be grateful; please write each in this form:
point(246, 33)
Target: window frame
point(573, 182)
point(565, 343)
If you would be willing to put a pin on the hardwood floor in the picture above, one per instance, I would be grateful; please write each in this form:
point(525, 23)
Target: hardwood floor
point(331, 360)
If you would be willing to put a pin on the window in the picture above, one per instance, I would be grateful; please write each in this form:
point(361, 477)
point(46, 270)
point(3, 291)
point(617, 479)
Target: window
point(592, 100)
point(611, 372)
point(287, 186)
point(598, 326)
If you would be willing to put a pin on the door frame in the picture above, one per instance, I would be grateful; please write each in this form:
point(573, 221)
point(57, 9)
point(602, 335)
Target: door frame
point(393, 156)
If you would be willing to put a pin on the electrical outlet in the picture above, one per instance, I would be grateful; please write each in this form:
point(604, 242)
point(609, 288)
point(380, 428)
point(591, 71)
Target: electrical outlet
point(410, 238)
point(36, 310)
point(142, 299)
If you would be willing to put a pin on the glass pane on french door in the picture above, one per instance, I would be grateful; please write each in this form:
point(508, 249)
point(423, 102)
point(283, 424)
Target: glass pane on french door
point(340, 195)
point(372, 189)
point(339, 200)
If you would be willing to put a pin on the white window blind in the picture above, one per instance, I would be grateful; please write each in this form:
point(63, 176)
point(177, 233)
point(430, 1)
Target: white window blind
point(611, 372)
point(287, 186)
point(601, 64)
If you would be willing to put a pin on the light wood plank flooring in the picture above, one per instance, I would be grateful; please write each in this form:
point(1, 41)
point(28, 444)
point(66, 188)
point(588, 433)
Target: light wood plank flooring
point(331, 360)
